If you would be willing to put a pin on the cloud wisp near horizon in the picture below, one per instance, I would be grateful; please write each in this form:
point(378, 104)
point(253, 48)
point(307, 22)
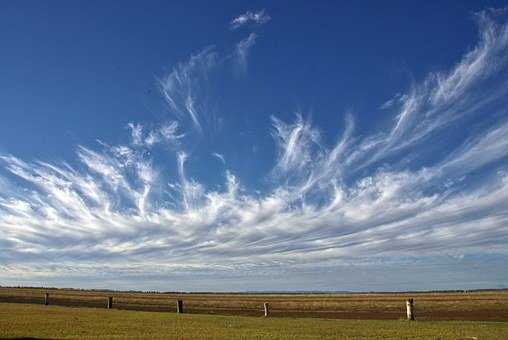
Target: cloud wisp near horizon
point(366, 199)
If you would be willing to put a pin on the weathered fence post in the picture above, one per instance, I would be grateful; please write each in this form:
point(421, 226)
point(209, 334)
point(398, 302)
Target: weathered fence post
point(266, 305)
point(46, 299)
point(179, 306)
point(410, 309)
point(110, 302)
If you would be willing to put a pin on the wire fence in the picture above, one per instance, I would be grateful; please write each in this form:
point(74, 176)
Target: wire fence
point(457, 306)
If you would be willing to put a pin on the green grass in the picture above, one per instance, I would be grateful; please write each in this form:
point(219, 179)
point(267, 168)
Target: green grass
point(21, 320)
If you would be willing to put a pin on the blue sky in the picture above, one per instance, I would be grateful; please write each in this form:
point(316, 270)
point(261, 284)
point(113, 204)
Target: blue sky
point(254, 145)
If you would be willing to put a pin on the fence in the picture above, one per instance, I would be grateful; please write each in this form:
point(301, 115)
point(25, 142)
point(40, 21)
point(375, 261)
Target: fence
point(161, 304)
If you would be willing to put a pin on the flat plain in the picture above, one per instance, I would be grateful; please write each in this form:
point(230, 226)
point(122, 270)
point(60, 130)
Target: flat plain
point(82, 314)
point(55, 322)
point(464, 306)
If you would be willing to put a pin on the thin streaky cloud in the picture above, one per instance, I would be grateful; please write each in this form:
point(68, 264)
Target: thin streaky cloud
point(446, 97)
point(328, 203)
point(219, 157)
point(242, 50)
point(250, 18)
point(184, 88)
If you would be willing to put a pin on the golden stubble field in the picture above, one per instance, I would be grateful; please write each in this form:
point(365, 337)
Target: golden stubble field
point(472, 306)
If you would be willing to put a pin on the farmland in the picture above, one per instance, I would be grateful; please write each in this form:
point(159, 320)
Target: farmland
point(38, 321)
point(469, 306)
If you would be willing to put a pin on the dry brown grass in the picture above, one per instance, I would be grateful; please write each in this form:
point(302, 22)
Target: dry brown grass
point(484, 306)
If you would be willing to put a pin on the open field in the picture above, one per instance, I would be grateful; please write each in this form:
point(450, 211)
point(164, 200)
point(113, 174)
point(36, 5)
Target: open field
point(36, 321)
point(473, 306)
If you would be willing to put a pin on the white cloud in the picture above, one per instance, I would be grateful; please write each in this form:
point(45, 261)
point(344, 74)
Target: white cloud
point(184, 88)
point(219, 157)
point(445, 97)
point(136, 133)
point(255, 18)
point(242, 50)
point(165, 133)
point(489, 147)
point(329, 204)
point(298, 144)
point(188, 88)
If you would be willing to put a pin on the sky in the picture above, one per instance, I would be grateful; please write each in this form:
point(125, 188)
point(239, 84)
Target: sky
point(254, 145)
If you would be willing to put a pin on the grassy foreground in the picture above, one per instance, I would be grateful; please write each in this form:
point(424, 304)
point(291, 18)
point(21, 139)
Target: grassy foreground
point(36, 321)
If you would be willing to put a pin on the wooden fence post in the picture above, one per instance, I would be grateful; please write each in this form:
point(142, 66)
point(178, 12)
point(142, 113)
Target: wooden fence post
point(410, 309)
point(266, 305)
point(46, 299)
point(110, 302)
point(179, 306)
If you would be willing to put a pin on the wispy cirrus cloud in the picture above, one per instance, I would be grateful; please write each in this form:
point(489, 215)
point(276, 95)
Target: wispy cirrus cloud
point(219, 157)
point(473, 84)
point(242, 50)
point(332, 204)
point(250, 18)
point(185, 87)
point(190, 91)
point(166, 132)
